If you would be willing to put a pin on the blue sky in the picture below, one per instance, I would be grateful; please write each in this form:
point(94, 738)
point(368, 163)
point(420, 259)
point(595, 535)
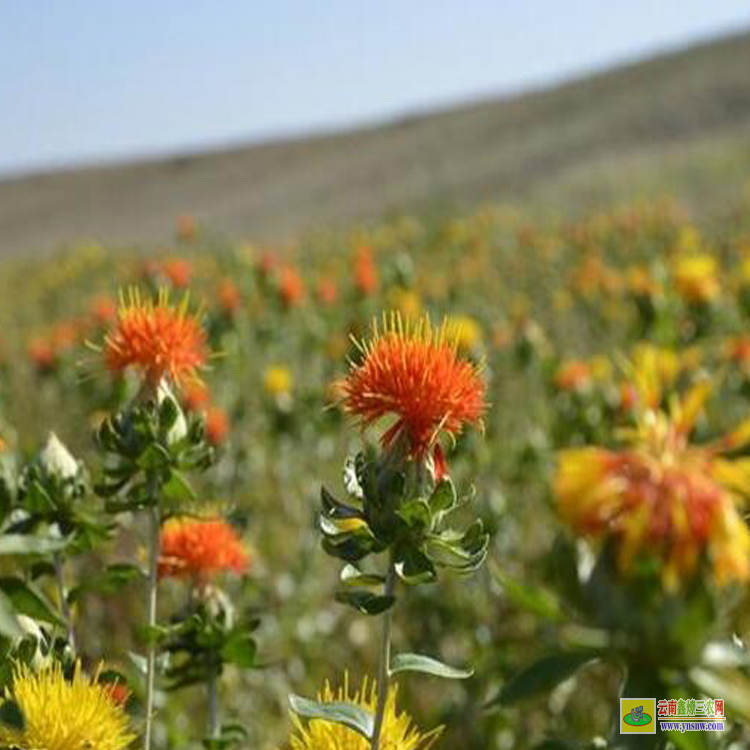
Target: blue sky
point(83, 80)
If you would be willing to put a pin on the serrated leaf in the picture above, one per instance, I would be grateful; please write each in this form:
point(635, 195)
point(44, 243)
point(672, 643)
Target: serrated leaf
point(414, 567)
point(416, 514)
point(428, 665)
point(443, 497)
point(347, 714)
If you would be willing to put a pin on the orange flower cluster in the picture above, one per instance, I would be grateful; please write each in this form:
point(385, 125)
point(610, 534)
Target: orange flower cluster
point(414, 373)
point(200, 549)
point(157, 339)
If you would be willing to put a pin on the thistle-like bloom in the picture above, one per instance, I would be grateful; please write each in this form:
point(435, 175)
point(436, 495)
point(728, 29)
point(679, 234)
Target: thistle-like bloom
point(65, 715)
point(200, 549)
point(663, 497)
point(399, 732)
point(156, 338)
point(414, 373)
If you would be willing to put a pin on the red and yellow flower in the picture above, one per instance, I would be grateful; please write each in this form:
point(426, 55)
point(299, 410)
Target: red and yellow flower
point(661, 495)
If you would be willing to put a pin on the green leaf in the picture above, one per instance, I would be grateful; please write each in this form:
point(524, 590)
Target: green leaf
point(115, 578)
point(543, 675)
point(529, 598)
point(413, 566)
point(12, 716)
point(28, 601)
point(9, 625)
point(352, 576)
point(23, 544)
point(443, 497)
point(349, 715)
point(729, 684)
point(178, 488)
point(241, 650)
point(427, 665)
point(365, 601)
point(416, 514)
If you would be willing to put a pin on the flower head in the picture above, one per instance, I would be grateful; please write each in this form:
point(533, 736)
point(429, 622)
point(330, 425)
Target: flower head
point(662, 496)
point(398, 733)
point(277, 380)
point(200, 549)
point(696, 278)
point(156, 338)
point(366, 277)
point(291, 287)
point(65, 714)
point(414, 373)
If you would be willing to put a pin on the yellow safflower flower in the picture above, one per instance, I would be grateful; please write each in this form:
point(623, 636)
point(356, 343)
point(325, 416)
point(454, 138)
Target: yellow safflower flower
point(277, 380)
point(65, 715)
point(398, 733)
point(696, 278)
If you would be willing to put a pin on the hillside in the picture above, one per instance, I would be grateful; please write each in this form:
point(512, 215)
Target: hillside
point(680, 122)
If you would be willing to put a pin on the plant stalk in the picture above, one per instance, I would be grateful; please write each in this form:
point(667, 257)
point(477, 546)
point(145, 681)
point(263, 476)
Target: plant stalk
point(212, 687)
point(64, 605)
point(384, 662)
point(153, 583)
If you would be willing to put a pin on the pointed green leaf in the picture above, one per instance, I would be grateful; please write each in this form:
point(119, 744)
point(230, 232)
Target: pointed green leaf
point(543, 675)
point(351, 716)
point(427, 665)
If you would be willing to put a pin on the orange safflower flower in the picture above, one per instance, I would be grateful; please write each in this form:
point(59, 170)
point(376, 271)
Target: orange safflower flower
point(573, 376)
point(229, 297)
point(413, 372)
point(186, 228)
point(200, 549)
point(366, 278)
point(43, 355)
point(327, 292)
point(156, 338)
point(103, 311)
point(179, 272)
point(217, 425)
point(291, 286)
point(195, 397)
point(662, 496)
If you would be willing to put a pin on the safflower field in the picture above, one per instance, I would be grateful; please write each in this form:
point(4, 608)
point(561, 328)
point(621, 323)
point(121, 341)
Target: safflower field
point(451, 483)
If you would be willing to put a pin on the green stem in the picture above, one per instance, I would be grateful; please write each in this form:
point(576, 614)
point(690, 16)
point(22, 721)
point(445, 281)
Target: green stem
point(64, 605)
point(212, 687)
point(153, 583)
point(384, 661)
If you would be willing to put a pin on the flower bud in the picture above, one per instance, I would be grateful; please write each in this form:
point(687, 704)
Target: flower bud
point(56, 459)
